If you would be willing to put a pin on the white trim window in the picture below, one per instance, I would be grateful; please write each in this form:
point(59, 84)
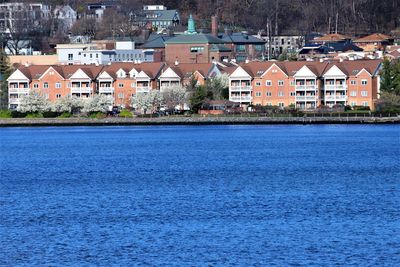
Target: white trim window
point(258, 94)
point(353, 104)
point(58, 95)
point(58, 85)
point(281, 94)
point(281, 83)
point(353, 93)
point(364, 93)
point(365, 103)
point(35, 86)
point(268, 83)
point(258, 83)
point(45, 85)
point(292, 93)
point(353, 82)
point(281, 104)
point(268, 94)
point(120, 95)
point(133, 85)
point(120, 85)
point(292, 83)
point(364, 82)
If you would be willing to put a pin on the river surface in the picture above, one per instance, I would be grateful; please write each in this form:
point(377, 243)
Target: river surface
point(321, 195)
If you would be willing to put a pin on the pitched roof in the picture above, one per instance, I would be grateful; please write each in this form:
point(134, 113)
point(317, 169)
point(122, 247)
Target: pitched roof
point(239, 37)
point(157, 41)
point(185, 70)
point(199, 38)
point(376, 37)
point(256, 69)
point(152, 69)
point(353, 67)
point(333, 37)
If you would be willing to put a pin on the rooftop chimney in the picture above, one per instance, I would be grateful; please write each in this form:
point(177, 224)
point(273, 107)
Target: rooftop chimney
point(214, 26)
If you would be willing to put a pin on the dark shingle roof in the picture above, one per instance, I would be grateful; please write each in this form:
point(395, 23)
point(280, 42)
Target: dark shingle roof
point(156, 41)
point(195, 39)
point(239, 37)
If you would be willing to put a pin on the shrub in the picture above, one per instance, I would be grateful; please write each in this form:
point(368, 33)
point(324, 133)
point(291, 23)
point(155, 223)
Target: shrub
point(361, 108)
point(17, 114)
point(97, 115)
point(5, 114)
point(125, 113)
point(64, 115)
point(50, 114)
point(34, 115)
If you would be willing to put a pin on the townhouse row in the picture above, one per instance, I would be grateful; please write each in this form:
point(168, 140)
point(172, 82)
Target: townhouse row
point(119, 80)
point(306, 85)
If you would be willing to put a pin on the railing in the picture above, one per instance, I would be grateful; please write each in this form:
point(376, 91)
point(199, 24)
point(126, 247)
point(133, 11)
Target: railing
point(106, 90)
point(240, 98)
point(13, 100)
point(81, 90)
point(18, 90)
point(240, 88)
point(306, 98)
point(305, 87)
point(142, 89)
point(335, 87)
point(335, 97)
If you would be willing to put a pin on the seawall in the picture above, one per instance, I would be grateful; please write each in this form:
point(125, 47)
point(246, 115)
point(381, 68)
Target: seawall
point(24, 122)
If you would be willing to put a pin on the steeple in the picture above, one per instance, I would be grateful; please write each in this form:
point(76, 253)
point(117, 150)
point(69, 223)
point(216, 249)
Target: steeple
point(191, 26)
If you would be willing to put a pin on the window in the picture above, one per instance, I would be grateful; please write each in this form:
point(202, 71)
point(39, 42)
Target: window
point(240, 48)
point(280, 94)
point(120, 95)
point(258, 83)
point(353, 82)
point(35, 85)
point(269, 104)
point(364, 93)
point(58, 95)
point(46, 96)
point(197, 49)
point(91, 55)
point(258, 48)
point(292, 83)
point(292, 93)
point(69, 85)
point(120, 85)
point(268, 82)
point(268, 94)
point(364, 82)
point(353, 104)
point(258, 94)
point(133, 85)
point(281, 105)
point(58, 85)
point(353, 93)
point(70, 56)
point(46, 85)
point(280, 83)
point(365, 103)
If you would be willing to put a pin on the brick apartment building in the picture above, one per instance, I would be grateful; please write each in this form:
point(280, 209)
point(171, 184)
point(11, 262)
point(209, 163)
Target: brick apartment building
point(306, 85)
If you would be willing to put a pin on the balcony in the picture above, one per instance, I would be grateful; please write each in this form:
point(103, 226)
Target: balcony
point(335, 87)
point(241, 98)
point(16, 90)
point(13, 101)
point(240, 88)
point(142, 89)
point(81, 90)
point(306, 98)
point(106, 90)
point(306, 87)
point(335, 98)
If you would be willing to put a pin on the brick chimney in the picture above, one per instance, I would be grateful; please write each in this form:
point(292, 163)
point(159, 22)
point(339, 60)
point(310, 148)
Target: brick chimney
point(214, 26)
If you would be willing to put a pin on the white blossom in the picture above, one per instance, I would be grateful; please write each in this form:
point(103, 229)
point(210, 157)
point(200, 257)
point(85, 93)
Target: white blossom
point(98, 103)
point(174, 97)
point(144, 102)
point(67, 104)
point(33, 102)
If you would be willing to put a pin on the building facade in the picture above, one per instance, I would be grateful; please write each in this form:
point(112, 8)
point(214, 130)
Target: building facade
point(306, 85)
point(121, 80)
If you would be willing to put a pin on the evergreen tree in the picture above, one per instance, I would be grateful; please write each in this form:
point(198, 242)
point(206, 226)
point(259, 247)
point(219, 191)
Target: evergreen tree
point(5, 72)
point(390, 77)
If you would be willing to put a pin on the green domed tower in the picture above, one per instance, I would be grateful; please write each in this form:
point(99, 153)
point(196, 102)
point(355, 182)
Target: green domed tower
point(191, 26)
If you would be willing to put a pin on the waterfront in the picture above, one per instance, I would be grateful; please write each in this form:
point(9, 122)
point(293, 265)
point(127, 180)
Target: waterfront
point(206, 195)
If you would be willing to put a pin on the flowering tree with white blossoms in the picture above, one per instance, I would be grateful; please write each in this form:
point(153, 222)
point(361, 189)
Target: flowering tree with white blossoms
point(67, 104)
point(174, 96)
point(98, 103)
point(33, 102)
point(218, 84)
point(147, 101)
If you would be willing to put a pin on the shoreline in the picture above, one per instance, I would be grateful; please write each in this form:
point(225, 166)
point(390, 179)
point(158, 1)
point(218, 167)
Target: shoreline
point(116, 121)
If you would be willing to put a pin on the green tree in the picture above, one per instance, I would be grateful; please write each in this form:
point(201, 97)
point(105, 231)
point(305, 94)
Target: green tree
point(198, 98)
point(390, 77)
point(5, 72)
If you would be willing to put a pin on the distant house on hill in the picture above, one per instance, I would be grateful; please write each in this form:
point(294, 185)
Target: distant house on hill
point(157, 17)
point(374, 42)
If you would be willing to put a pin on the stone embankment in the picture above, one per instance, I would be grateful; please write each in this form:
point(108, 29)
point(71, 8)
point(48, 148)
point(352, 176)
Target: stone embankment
point(196, 120)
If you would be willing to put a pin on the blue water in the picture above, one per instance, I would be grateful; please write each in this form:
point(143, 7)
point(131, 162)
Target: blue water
point(200, 196)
